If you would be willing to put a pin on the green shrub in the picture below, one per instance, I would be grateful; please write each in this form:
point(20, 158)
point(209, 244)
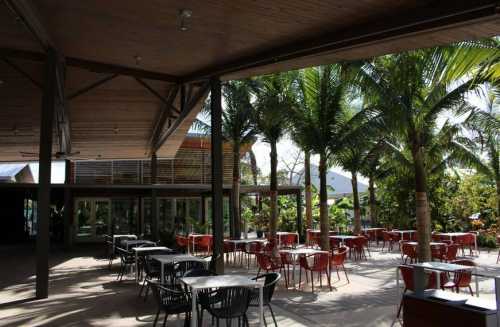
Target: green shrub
point(487, 241)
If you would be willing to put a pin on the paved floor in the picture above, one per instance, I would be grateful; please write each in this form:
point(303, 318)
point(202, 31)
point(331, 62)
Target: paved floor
point(83, 292)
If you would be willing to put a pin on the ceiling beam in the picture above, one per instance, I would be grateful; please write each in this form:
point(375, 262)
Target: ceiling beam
point(442, 15)
point(92, 86)
point(162, 119)
point(26, 13)
point(189, 105)
point(93, 66)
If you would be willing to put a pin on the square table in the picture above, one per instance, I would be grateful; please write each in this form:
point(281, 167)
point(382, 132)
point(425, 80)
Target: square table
point(342, 238)
point(439, 267)
point(165, 259)
point(143, 250)
point(244, 241)
point(115, 236)
point(220, 281)
point(128, 244)
point(279, 234)
point(402, 232)
point(193, 237)
point(451, 235)
point(295, 253)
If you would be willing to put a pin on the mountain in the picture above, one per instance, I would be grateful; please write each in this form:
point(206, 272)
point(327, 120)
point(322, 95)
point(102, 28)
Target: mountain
point(341, 184)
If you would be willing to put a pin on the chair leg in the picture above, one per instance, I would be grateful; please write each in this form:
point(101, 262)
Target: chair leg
point(165, 320)
point(470, 290)
point(329, 282)
point(312, 281)
point(156, 317)
point(345, 272)
point(245, 319)
point(272, 315)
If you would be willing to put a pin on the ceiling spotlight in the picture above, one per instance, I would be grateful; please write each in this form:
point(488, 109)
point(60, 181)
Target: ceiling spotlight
point(116, 129)
point(137, 59)
point(185, 15)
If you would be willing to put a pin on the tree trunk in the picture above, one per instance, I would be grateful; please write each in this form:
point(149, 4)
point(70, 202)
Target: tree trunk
point(498, 202)
point(236, 191)
point(422, 205)
point(307, 186)
point(373, 202)
point(323, 204)
point(253, 166)
point(273, 221)
point(357, 209)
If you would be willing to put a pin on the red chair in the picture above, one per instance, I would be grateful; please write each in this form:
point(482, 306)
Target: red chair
point(319, 265)
point(451, 253)
point(438, 252)
point(253, 248)
point(204, 244)
point(407, 275)
point(408, 251)
point(287, 262)
point(337, 260)
point(469, 242)
point(461, 278)
point(228, 249)
point(288, 241)
point(387, 239)
point(182, 242)
point(334, 243)
point(268, 263)
point(358, 246)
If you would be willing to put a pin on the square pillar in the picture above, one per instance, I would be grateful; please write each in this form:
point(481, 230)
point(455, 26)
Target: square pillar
point(217, 174)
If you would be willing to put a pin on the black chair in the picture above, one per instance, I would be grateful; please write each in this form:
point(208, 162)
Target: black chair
point(232, 303)
point(180, 268)
point(171, 302)
point(271, 279)
point(153, 271)
point(127, 260)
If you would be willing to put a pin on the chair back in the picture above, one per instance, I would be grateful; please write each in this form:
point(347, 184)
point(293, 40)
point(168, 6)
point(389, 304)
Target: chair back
point(438, 251)
point(463, 278)
point(288, 240)
point(198, 273)
point(233, 302)
point(407, 275)
point(451, 252)
point(408, 250)
point(271, 279)
point(321, 261)
point(205, 241)
point(264, 261)
point(180, 268)
point(338, 258)
point(386, 236)
point(254, 247)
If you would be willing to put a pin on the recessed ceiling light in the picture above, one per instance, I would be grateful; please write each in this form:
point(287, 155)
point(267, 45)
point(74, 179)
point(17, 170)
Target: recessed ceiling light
point(185, 15)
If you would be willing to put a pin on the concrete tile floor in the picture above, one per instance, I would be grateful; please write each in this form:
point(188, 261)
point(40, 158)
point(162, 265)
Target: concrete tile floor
point(83, 292)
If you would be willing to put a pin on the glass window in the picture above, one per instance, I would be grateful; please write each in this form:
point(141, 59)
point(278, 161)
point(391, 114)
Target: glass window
point(84, 218)
point(124, 213)
point(101, 217)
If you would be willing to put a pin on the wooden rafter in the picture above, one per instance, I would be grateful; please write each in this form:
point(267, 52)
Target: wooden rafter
point(189, 105)
point(163, 118)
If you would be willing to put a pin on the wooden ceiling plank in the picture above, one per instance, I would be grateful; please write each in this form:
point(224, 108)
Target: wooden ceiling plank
point(92, 86)
point(442, 14)
point(23, 73)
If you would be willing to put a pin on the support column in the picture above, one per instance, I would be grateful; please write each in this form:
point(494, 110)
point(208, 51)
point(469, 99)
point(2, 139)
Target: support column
point(217, 174)
point(45, 161)
point(232, 221)
point(68, 206)
point(299, 216)
point(155, 234)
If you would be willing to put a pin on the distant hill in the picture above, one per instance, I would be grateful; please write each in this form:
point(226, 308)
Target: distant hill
point(340, 183)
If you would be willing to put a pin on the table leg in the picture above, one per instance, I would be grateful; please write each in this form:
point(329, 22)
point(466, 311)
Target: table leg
point(194, 313)
point(476, 281)
point(294, 258)
point(438, 279)
point(261, 307)
point(136, 267)
point(162, 272)
point(399, 295)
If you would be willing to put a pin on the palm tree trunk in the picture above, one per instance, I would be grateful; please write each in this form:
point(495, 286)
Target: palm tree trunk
point(273, 221)
point(422, 205)
point(323, 204)
point(253, 167)
point(307, 186)
point(498, 201)
point(357, 209)
point(236, 191)
point(373, 201)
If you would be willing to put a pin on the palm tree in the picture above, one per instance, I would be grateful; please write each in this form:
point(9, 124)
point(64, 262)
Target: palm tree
point(273, 103)
point(485, 127)
point(239, 129)
point(318, 118)
point(410, 90)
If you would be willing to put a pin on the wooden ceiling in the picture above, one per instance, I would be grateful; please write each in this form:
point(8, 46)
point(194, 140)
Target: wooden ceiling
point(227, 38)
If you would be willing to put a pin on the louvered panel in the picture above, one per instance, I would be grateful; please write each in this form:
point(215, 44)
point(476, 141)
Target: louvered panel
point(93, 172)
point(188, 166)
point(126, 171)
point(165, 171)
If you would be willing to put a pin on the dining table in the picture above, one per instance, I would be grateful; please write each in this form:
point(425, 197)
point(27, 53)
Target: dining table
point(450, 236)
point(195, 284)
point(117, 236)
point(169, 259)
point(296, 253)
point(144, 251)
point(129, 244)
